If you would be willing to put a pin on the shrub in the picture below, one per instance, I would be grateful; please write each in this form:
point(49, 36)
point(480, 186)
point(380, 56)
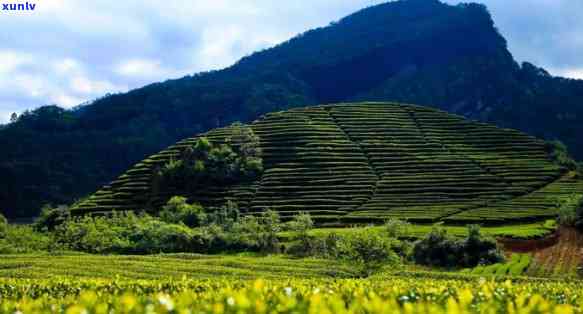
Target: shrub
point(568, 210)
point(301, 225)
point(579, 173)
point(50, 218)
point(368, 252)
point(396, 228)
point(238, 159)
point(124, 233)
point(305, 245)
point(155, 236)
point(224, 216)
point(559, 153)
point(248, 231)
point(271, 227)
point(177, 210)
point(477, 249)
point(24, 239)
point(439, 249)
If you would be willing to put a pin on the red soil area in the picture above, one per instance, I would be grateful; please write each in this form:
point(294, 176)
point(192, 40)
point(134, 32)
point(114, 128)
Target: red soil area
point(559, 254)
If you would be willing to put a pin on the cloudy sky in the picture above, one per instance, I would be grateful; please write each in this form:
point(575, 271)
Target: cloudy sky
point(67, 52)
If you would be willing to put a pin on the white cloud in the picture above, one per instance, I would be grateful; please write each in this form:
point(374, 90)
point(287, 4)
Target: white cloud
point(141, 68)
point(67, 66)
point(576, 73)
point(11, 60)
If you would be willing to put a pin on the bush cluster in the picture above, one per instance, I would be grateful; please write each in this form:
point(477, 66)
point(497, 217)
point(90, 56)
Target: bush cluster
point(3, 225)
point(439, 249)
point(559, 153)
point(180, 227)
point(238, 159)
point(22, 239)
point(569, 210)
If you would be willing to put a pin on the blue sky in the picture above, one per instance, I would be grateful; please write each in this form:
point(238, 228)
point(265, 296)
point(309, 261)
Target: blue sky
point(67, 52)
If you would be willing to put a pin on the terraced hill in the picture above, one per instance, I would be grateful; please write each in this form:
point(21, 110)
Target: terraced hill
point(364, 162)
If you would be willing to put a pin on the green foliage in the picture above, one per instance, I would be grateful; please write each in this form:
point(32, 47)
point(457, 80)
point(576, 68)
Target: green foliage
point(559, 152)
point(16, 239)
point(177, 210)
point(307, 167)
point(288, 294)
point(224, 216)
point(439, 249)
point(396, 228)
point(305, 245)
point(174, 267)
point(125, 232)
point(206, 163)
point(579, 171)
point(23, 239)
point(301, 225)
point(50, 218)
point(369, 252)
point(271, 227)
point(3, 225)
point(568, 209)
point(516, 266)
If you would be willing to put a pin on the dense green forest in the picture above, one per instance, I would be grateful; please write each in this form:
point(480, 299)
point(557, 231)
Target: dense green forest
point(415, 51)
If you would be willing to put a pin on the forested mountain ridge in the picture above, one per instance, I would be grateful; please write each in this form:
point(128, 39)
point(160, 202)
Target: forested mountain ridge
point(414, 51)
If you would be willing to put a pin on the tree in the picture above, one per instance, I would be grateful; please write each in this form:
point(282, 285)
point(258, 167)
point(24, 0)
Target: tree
point(177, 210)
point(369, 252)
point(245, 141)
point(3, 225)
point(396, 228)
point(272, 226)
point(301, 226)
point(50, 217)
point(13, 117)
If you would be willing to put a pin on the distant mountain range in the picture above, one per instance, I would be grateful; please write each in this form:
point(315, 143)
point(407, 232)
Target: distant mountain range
point(414, 51)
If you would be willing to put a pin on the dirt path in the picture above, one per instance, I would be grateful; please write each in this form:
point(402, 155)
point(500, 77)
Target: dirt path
point(558, 255)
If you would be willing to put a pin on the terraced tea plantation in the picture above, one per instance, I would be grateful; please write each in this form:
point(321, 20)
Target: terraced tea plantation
point(351, 163)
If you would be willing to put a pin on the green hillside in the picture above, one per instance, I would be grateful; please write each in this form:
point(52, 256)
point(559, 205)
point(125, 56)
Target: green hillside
point(350, 163)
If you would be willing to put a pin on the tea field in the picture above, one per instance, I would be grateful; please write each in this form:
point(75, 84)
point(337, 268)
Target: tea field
point(368, 162)
point(389, 294)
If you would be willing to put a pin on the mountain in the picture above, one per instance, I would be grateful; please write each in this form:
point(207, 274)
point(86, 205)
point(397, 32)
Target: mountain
point(414, 51)
point(363, 162)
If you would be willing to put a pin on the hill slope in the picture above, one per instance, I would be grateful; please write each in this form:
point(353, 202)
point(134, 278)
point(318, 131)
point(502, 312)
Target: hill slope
point(415, 51)
point(370, 161)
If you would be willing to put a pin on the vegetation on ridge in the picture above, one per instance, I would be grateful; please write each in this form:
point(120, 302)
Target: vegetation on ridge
point(368, 162)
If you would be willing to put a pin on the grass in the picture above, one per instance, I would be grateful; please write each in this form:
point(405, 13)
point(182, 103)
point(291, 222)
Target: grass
point(517, 231)
point(176, 266)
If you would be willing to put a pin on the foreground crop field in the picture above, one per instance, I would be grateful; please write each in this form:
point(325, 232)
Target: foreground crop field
point(175, 266)
point(376, 295)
